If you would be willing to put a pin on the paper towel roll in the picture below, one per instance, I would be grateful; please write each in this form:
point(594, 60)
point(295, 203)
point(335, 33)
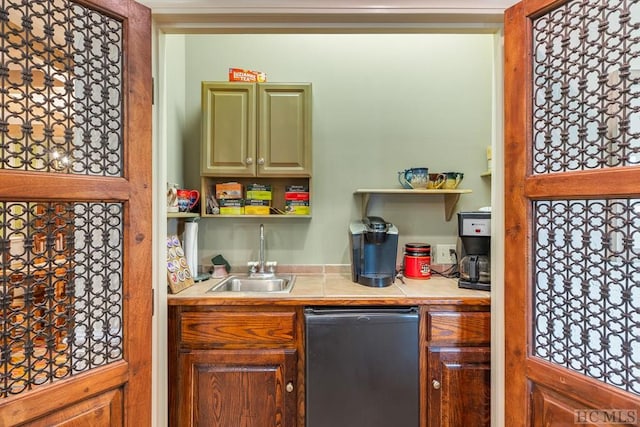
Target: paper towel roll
point(190, 243)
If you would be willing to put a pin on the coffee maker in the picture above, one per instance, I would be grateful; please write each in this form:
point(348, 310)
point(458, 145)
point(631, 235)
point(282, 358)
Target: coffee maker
point(374, 246)
point(474, 248)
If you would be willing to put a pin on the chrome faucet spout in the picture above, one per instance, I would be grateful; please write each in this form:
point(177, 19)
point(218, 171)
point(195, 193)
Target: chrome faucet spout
point(261, 255)
point(262, 269)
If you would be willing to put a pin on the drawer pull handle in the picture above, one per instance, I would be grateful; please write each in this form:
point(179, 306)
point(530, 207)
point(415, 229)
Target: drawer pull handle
point(249, 160)
point(289, 387)
point(436, 384)
point(261, 161)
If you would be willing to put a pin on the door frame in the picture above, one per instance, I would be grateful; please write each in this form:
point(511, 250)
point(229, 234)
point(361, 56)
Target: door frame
point(180, 21)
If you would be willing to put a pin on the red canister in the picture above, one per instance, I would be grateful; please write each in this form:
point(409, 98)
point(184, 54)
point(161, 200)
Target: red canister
point(417, 260)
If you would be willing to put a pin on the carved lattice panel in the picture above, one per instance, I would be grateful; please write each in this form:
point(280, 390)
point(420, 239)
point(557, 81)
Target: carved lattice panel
point(61, 111)
point(587, 288)
point(586, 86)
point(62, 91)
point(586, 117)
point(61, 291)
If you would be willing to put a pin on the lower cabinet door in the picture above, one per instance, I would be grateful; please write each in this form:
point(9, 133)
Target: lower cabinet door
point(237, 388)
point(459, 386)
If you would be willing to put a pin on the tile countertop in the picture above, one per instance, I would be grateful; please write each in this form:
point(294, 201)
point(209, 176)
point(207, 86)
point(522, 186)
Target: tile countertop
point(338, 289)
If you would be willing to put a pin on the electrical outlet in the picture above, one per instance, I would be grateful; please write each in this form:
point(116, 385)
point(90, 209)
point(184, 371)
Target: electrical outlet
point(444, 254)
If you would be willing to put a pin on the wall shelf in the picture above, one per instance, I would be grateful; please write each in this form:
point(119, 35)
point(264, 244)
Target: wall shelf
point(182, 215)
point(285, 216)
point(450, 197)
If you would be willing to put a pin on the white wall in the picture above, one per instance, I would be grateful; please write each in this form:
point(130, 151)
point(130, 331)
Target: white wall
point(381, 103)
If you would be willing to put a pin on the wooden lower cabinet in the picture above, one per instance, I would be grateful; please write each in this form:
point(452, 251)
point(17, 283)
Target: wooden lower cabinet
point(459, 388)
point(238, 388)
point(244, 366)
point(234, 367)
point(457, 366)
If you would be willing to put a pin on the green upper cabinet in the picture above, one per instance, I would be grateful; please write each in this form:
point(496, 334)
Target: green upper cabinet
point(228, 129)
point(256, 129)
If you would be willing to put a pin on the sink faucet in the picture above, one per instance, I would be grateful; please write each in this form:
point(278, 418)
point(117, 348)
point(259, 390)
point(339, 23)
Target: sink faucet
point(262, 268)
point(261, 254)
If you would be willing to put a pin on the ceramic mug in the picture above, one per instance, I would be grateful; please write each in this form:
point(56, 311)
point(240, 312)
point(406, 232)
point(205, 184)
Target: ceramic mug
point(436, 181)
point(172, 198)
point(413, 178)
point(453, 180)
point(187, 199)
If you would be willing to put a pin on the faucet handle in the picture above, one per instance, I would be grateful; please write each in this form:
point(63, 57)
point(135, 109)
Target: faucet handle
point(271, 266)
point(253, 266)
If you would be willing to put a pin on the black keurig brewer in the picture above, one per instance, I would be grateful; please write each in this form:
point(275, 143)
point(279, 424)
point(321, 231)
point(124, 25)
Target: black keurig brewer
point(374, 246)
point(474, 231)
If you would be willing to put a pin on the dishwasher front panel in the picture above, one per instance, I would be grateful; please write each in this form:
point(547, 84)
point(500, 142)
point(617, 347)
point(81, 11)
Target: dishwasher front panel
point(362, 367)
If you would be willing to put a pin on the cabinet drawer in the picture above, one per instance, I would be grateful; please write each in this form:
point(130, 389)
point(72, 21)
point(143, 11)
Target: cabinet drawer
point(459, 327)
point(237, 329)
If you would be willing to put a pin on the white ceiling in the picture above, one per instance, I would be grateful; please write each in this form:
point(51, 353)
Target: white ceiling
point(328, 6)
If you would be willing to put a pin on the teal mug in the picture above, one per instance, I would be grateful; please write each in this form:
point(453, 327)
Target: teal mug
point(414, 178)
point(453, 180)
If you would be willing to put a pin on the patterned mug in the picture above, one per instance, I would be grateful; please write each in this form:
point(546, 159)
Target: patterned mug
point(187, 199)
point(414, 178)
point(436, 181)
point(453, 180)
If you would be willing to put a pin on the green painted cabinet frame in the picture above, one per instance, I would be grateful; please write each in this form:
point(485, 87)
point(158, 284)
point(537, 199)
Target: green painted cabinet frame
point(256, 129)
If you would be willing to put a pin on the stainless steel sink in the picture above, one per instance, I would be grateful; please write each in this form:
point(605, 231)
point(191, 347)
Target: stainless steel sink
point(282, 283)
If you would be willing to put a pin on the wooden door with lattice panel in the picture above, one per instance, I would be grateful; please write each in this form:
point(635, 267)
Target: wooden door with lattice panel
point(572, 212)
point(75, 209)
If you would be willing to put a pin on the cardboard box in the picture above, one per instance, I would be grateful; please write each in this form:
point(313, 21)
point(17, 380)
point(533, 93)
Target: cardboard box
point(297, 207)
point(256, 210)
point(258, 187)
point(251, 76)
point(290, 195)
point(259, 195)
point(232, 211)
point(229, 190)
point(296, 188)
point(231, 206)
point(257, 202)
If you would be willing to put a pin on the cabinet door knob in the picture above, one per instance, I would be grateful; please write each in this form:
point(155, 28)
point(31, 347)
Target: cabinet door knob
point(261, 161)
point(249, 160)
point(289, 387)
point(436, 384)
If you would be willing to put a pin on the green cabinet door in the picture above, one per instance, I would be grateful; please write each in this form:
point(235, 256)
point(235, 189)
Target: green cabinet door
point(228, 129)
point(256, 130)
point(284, 129)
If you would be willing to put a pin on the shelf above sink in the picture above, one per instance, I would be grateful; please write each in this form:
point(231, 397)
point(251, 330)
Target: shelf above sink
point(450, 197)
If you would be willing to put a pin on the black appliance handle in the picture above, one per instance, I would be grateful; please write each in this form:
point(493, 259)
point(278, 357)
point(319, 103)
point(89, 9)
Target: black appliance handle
point(318, 311)
point(474, 269)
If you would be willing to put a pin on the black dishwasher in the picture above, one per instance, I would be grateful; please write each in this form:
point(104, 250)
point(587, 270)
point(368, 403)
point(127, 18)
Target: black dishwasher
point(362, 367)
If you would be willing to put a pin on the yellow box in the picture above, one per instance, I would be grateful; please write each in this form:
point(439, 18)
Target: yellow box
point(297, 209)
point(259, 194)
point(232, 210)
point(256, 210)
